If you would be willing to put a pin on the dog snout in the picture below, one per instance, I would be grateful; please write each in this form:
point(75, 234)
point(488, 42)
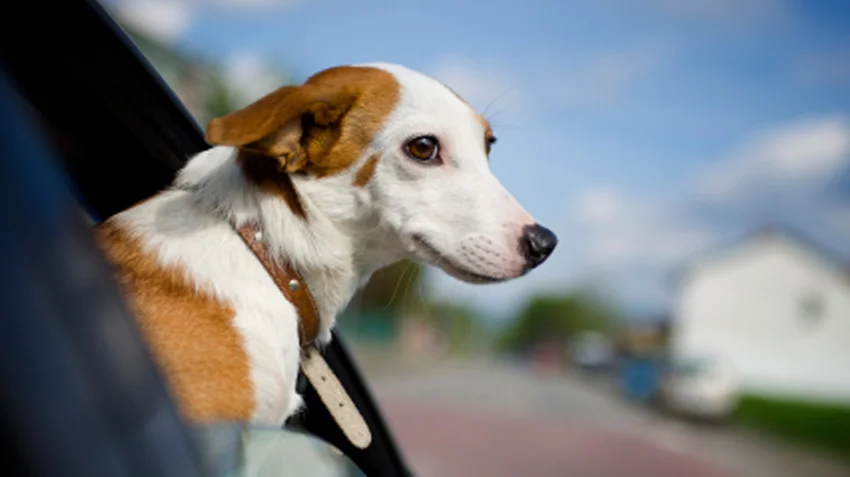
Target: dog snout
point(536, 244)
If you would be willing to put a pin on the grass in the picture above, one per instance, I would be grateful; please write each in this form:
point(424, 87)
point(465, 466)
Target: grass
point(823, 426)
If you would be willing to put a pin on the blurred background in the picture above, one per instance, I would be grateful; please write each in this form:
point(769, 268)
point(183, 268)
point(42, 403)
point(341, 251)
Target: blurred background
point(694, 159)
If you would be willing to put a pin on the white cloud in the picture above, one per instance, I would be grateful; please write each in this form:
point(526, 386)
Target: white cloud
point(781, 175)
point(604, 79)
point(599, 204)
point(623, 231)
point(792, 157)
point(490, 92)
point(164, 20)
point(247, 73)
point(250, 77)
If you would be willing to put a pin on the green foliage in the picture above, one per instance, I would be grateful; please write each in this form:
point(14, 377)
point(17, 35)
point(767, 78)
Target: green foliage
point(219, 99)
point(461, 324)
point(825, 426)
point(392, 288)
point(556, 317)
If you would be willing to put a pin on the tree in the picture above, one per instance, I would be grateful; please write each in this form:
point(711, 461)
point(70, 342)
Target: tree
point(373, 312)
point(557, 317)
point(392, 288)
point(460, 323)
point(219, 99)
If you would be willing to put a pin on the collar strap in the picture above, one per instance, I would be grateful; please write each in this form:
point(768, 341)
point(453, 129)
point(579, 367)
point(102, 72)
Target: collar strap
point(288, 281)
point(327, 385)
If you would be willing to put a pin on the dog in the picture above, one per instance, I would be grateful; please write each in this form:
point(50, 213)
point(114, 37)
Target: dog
point(358, 168)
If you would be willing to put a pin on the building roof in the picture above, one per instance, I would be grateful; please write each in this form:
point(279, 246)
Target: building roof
point(786, 232)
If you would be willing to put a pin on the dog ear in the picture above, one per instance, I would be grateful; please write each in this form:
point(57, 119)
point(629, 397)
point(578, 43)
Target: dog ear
point(276, 124)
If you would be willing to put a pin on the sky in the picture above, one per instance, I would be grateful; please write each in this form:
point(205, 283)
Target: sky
point(641, 131)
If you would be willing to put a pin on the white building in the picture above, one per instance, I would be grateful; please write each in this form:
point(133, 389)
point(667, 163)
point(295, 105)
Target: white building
point(775, 309)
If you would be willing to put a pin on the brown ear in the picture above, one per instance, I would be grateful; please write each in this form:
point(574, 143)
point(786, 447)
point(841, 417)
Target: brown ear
point(275, 124)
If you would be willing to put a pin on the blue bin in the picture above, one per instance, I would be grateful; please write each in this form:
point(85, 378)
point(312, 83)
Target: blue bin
point(640, 378)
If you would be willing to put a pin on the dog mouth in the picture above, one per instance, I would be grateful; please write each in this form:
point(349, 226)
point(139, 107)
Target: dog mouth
point(437, 259)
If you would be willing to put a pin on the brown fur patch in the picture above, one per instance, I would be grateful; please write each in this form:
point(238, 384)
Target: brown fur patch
point(488, 131)
point(332, 150)
point(366, 171)
point(320, 128)
point(264, 171)
point(190, 334)
point(488, 135)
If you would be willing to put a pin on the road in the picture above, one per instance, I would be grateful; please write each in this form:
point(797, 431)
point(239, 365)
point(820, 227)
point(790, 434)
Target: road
point(487, 419)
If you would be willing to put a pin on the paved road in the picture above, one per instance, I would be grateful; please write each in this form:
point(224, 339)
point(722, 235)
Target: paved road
point(494, 420)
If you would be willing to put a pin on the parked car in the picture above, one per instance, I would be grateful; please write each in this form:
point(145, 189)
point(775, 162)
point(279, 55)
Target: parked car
point(702, 388)
point(593, 352)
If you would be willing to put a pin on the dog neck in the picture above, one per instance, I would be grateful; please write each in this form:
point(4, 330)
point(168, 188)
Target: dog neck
point(332, 241)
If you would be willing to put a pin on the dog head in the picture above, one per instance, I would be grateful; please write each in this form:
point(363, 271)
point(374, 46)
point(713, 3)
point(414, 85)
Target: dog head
point(397, 150)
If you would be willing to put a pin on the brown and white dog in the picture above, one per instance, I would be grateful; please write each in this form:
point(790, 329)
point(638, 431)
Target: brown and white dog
point(352, 171)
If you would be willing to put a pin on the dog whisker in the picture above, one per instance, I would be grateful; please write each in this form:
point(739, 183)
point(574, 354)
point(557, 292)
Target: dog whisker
point(492, 117)
point(493, 101)
point(409, 280)
point(422, 302)
point(398, 283)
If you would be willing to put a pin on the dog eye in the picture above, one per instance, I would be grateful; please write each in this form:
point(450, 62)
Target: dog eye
point(423, 148)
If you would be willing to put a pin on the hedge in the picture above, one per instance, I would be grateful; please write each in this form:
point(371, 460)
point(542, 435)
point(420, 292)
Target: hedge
point(824, 426)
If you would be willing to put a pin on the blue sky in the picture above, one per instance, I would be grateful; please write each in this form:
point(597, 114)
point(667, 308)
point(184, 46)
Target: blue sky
point(641, 131)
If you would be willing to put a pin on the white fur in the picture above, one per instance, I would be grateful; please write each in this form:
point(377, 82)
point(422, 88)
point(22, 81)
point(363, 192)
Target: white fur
point(460, 207)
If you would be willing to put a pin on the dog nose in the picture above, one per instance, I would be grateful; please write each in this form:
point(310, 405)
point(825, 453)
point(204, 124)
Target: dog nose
point(537, 243)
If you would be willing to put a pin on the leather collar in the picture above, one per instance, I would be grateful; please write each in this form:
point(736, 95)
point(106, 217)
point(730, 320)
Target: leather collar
point(288, 281)
point(330, 390)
